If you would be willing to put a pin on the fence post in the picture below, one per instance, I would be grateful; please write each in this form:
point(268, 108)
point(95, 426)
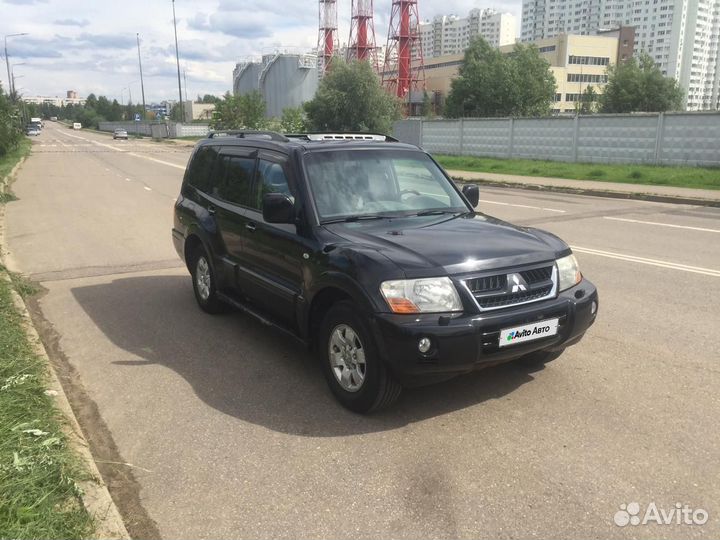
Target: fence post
point(422, 130)
point(462, 136)
point(659, 137)
point(576, 133)
point(511, 135)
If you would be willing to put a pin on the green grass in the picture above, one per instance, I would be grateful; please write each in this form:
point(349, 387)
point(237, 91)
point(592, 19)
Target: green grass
point(39, 495)
point(691, 177)
point(9, 160)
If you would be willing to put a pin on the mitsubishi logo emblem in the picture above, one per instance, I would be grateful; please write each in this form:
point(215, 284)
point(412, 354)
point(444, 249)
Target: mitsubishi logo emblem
point(517, 282)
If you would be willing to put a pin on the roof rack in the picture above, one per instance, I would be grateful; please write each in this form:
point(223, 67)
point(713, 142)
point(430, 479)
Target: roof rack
point(248, 134)
point(350, 136)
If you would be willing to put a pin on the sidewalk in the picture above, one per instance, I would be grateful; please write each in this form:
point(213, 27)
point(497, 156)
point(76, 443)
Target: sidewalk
point(706, 197)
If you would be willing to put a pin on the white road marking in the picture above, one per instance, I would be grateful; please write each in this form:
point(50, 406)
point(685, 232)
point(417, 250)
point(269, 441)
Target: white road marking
point(651, 262)
point(703, 229)
point(181, 167)
point(147, 188)
point(523, 206)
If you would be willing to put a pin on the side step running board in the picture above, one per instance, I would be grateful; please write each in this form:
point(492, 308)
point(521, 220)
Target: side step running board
point(245, 308)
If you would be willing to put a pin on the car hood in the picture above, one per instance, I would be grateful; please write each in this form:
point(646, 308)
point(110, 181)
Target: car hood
point(432, 245)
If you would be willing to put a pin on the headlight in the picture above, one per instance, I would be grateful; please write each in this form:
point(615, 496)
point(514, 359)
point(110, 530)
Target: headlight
point(427, 295)
point(568, 272)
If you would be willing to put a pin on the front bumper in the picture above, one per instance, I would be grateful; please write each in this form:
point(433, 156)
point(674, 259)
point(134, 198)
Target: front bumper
point(465, 342)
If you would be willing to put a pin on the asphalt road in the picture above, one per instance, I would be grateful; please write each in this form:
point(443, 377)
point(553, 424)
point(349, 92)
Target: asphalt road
point(217, 427)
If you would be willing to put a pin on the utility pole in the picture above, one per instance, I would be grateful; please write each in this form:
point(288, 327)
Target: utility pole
point(7, 63)
point(177, 57)
point(142, 85)
point(185, 82)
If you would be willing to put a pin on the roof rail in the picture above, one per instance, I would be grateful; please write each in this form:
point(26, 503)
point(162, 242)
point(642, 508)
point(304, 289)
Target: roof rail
point(248, 134)
point(348, 136)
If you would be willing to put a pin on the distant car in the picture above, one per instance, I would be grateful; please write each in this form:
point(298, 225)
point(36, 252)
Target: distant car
point(120, 133)
point(32, 131)
point(77, 125)
point(53, 118)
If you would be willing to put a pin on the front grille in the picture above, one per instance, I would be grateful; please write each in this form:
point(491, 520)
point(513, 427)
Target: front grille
point(536, 275)
point(487, 284)
point(496, 291)
point(490, 302)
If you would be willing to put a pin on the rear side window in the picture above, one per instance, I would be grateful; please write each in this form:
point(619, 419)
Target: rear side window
point(237, 185)
point(198, 174)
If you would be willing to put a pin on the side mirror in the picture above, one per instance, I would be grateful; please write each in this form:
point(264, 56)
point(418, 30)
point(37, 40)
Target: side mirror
point(472, 194)
point(278, 208)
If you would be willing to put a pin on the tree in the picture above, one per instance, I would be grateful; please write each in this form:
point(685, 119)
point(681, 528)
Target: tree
point(293, 120)
point(208, 98)
point(10, 124)
point(351, 98)
point(638, 85)
point(493, 84)
point(245, 111)
point(426, 105)
point(588, 101)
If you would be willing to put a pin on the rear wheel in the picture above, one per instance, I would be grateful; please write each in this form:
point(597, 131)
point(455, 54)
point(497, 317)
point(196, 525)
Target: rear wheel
point(204, 284)
point(357, 376)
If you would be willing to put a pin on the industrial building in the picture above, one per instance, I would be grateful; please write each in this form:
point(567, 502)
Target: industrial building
point(576, 62)
point(284, 80)
point(680, 35)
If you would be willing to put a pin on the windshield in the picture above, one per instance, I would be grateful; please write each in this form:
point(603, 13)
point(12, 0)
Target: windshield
point(360, 183)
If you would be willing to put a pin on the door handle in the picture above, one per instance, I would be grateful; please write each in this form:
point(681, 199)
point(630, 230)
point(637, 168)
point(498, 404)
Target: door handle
point(251, 227)
point(211, 209)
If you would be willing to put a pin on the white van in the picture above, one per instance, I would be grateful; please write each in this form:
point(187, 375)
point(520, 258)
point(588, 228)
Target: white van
point(77, 125)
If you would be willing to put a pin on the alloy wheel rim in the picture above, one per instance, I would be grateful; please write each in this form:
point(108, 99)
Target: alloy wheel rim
point(202, 278)
point(347, 358)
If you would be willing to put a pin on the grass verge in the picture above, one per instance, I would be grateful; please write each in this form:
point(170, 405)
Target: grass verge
point(39, 495)
point(690, 177)
point(9, 160)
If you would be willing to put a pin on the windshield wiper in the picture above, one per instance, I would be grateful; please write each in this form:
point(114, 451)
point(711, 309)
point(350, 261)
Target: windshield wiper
point(350, 219)
point(439, 212)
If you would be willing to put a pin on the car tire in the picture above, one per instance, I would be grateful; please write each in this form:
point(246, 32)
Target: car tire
point(539, 358)
point(204, 283)
point(356, 374)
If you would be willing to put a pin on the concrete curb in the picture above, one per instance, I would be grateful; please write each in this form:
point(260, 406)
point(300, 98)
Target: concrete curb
point(96, 497)
point(640, 196)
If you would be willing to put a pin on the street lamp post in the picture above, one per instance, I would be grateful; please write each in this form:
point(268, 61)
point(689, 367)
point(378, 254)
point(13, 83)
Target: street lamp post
point(142, 85)
point(177, 57)
point(7, 60)
point(13, 90)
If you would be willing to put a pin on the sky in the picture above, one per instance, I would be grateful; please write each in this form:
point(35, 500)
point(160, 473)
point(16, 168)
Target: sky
point(90, 45)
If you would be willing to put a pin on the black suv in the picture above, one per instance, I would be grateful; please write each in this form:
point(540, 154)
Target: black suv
point(363, 248)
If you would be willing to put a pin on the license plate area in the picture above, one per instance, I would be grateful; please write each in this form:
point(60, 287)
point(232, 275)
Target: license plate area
point(528, 332)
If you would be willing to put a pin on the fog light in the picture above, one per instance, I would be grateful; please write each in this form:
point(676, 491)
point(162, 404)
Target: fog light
point(593, 308)
point(424, 345)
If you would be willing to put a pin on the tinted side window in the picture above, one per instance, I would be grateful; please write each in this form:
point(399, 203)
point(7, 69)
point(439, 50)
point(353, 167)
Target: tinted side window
point(198, 174)
point(271, 178)
point(238, 179)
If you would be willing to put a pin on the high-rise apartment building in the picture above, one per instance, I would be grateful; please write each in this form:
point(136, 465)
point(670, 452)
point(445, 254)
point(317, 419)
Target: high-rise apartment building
point(682, 36)
point(450, 34)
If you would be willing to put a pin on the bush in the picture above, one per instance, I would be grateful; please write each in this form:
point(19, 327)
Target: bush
point(11, 132)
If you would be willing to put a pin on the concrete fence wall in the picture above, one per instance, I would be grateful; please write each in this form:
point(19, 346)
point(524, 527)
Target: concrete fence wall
point(662, 139)
point(158, 129)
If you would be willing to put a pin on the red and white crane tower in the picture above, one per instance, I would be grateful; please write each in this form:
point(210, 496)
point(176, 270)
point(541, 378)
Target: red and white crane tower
point(403, 70)
point(361, 45)
point(327, 34)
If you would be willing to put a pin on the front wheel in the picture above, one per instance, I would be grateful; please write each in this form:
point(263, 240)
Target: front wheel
point(357, 376)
